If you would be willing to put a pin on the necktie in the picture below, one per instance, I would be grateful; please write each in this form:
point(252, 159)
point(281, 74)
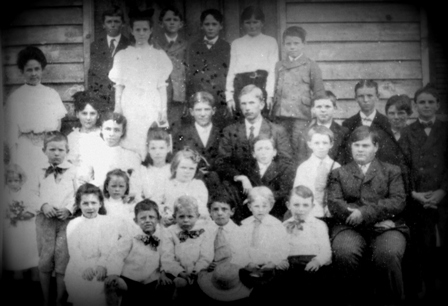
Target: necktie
point(363, 169)
point(321, 177)
point(112, 47)
point(184, 235)
point(55, 170)
point(208, 43)
point(150, 240)
point(251, 133)
point(295, 224)
point(256, 234)
point(222, 248)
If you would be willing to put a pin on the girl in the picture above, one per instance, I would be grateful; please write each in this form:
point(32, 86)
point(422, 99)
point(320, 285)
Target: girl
point(252, 59)
point(84, 139)
point(156, 170)
point(140, 73)
point(31, 110)
point(184, 168)
point(90, 238)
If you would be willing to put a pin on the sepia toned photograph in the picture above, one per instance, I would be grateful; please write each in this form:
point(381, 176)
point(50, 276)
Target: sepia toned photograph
point(217, 152)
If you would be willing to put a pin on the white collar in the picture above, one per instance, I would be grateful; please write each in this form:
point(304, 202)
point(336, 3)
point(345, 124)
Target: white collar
point(64, 165)
point(263, 166)
point(213, 41)
point(117, 39)
point(371, 116)
point(202, 129)
point(256, 125)
point(327, 125)
point(327, 160)
point(366, 166)
point(292, 59)
point(431, 120)
point(169, 39)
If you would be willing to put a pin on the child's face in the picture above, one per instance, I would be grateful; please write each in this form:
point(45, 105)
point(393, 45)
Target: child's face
point(259, 207)
point(211, 27)
point(427, 106)
point(320, 145)
point(14, 182)
point(186, 218)
point(324, 110)
point(264, 151)
point(364, 151)
point(158, 150)
point(251, 106)
point(186, 170)
point(221, 213)
point(141, 32)
point(117, 187)
point(88, 117)
point(202, 113)
point(252, 26)
point(56, 152)
point(397, 118)
point(147, 220)
point(293, 46)
point(366, 98)
point(171, 23)
point(32, 71)
point(113, 25)
point(90, 205)
point(112, 132)
point(300, 207)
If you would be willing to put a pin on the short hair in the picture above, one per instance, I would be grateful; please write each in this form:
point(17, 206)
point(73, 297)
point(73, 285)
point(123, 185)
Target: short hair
point(221, 197)
point(263, 136)
point(328, 95)
point(248, 89)
point(263, 192)
point(401, 103)
point(302, 191)
point(367, 83)
point(201, 97)
point(55, 136)
point(137, 15)
point(15, 169)
point(319, 129)
point(252, 11)
point(186, 153)
point(146, 205)
point(296, 32)
point(215, 14)
point(156, 133)
point(31, 53)
point(173, 9)
point(117, 118)
point(84, 189)
point(114, 11)
point(429, 89)
point(363, 132)
point(119, 173)
point(187, 202)
point(82, 98)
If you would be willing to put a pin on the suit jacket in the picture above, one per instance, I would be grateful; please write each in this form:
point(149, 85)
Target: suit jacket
point(379, 195)
point(100, 64)
point(235, 153)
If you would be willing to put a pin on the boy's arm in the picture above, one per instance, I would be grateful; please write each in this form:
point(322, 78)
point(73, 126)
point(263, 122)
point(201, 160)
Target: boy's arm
point(169, 263)
point(231, 73)
point(323, 240)
point(272, 59)
point(115, 259)
point(317, 84)
point(207, 252)
point(336, 202)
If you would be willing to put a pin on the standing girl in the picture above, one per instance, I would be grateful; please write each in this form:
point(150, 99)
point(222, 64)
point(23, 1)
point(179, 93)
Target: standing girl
point(140, 73)
point(90, 238)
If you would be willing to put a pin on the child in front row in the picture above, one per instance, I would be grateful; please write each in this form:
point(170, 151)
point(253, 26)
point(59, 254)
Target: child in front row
point(188, 247)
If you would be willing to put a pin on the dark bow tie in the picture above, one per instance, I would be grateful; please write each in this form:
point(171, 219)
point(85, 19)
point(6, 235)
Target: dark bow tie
point(208, 42)
point(428, 124)
point(149, 239)
point(184, 235)
point(55, 170)
point(291, 225)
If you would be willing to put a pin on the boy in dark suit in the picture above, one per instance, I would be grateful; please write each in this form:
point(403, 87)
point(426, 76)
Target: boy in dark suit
point(102, 52)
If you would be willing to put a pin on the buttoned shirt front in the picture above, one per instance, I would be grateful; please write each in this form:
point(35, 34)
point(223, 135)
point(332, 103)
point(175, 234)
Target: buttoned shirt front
point(203, 132)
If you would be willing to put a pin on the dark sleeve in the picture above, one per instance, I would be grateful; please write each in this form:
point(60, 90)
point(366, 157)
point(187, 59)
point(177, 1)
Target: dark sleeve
point(317, 84)
point(225, 162)
point(336, 200)
point(284, 148)
point(302, 153)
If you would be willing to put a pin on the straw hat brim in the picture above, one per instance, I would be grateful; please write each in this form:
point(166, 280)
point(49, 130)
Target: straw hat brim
point(206, 285)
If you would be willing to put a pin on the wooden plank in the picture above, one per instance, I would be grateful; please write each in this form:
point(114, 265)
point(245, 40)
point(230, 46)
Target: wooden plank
point(49, 3)
point(270, 11)
point(352, 12)
point(57, 73)
point(371, 70)
point(231, 20)
point(65, 91)
point(424, 46)
point(88, 30)
point(42, 35)
point(348, 108)
point(72, 53)
point(368, 51)
point(49, 16)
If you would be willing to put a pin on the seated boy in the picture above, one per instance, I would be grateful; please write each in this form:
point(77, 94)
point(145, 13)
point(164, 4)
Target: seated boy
point(188, 247)
point(313, 173)
point(134, 265)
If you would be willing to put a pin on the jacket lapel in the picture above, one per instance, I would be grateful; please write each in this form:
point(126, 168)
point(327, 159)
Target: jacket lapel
point(372, 171)
point(355, 170)
point(195, 136)
point(433, 136)
point(214, 136)
point(270, 174)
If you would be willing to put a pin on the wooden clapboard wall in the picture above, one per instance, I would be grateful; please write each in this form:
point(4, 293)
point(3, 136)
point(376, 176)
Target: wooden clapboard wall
point(60, 28)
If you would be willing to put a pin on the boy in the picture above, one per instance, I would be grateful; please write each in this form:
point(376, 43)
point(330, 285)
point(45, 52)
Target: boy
point(56, 189)
point(175, 46)
point(309, 244)
point(298, 79)
point(208, 61)
point(102, 52)
point(323, 108)
point(313, 173)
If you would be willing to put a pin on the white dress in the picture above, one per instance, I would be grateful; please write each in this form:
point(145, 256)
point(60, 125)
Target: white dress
point(142, 72)
point(123, 215)
point(82, 144)
point(20, 244)
point(152, 179)
point(90, 242)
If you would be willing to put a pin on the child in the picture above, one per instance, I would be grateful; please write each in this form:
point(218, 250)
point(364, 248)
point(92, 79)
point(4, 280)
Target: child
point(83, 140)
point(140, 73)
point(208, 61)
point(267, 171)
point(171, 21)
point(90, 238)
point(188, 247)
point(309, 244)
point(323, 108)
point(156, 168)
point(313, 173)
point(184, 168)
point(252, 59)
point(298, 79)
point(56, 189)
point(134, 264)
